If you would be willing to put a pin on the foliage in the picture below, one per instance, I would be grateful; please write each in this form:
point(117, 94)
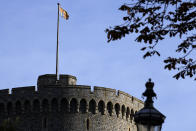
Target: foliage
point(9, 125)
point(155, 20)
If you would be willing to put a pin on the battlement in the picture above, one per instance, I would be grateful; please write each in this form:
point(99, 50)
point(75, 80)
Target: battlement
point(102, 100)
point(67, 85)
point(4, 92)
point(23, 90)
point(81, 89)
point(77, 103)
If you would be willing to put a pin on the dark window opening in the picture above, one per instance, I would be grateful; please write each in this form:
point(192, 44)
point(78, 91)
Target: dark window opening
point(36, 106)
point(101, 106)
point(83, 106)
point(9, 108)
point(54, 105)
point(2, 108)
point(92, 106)
point(87, 124)
point(117, 109)
point(131, 115)
point(110, 108)
point(64, 105)
point(73, 106)
point(27, 106)
point(18, 108)
point(123, 111)
point(45, 105)
point(127, 113)
point(44, 123)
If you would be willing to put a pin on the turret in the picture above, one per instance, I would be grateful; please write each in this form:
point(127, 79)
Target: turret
point(50, 80)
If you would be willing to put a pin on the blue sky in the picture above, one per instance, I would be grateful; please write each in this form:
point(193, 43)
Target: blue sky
point(28, 45)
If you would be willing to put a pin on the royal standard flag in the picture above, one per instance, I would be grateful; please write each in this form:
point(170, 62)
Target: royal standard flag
point(64, 13)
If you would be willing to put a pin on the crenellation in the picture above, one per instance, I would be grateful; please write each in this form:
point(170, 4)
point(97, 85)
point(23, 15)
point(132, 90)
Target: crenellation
point(23, 90)
point(70, 105)
point(104, 92)
point(4, 92)
point(124, 94)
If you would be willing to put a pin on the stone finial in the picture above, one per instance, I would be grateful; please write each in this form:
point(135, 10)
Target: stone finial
point(149, 93)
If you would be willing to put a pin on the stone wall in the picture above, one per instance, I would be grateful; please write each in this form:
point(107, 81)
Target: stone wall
point(69, 107)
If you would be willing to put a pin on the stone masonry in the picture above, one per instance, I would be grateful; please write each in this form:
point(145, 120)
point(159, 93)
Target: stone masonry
point(65, 106)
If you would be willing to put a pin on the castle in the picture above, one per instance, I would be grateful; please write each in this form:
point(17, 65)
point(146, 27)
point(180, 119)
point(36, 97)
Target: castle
point(65, 106)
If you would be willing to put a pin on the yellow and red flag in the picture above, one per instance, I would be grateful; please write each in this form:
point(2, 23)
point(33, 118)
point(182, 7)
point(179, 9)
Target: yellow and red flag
point(64, 13)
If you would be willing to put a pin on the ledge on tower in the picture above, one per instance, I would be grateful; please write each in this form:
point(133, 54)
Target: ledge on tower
point(50, 79)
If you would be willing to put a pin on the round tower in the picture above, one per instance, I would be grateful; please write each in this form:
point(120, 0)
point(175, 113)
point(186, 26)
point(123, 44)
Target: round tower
point(65, 106)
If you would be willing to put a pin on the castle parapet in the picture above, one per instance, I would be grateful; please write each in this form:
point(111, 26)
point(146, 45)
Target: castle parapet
point(50, 79)
point(23, 90)
point(4, 92)
point(59, 105)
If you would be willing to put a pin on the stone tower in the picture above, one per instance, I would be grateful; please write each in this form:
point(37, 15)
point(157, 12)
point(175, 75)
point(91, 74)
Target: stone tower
point(66, 106)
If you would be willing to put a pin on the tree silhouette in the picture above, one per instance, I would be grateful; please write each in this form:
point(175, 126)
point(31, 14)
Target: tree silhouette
point(155, 20)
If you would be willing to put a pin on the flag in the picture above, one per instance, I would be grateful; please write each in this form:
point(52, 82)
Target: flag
point(64, 13)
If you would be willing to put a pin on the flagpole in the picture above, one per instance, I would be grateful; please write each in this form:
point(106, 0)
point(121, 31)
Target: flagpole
point(57, 48)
